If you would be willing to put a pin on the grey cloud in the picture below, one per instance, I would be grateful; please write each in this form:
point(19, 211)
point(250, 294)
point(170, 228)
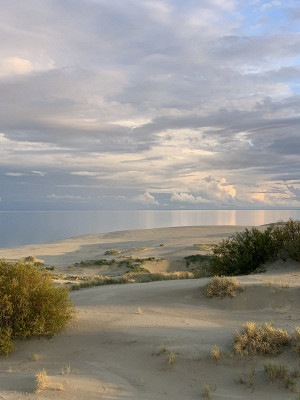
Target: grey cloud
point(216, 100)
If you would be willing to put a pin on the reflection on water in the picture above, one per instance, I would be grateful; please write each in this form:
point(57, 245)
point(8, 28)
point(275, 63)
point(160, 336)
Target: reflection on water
point(18, 228)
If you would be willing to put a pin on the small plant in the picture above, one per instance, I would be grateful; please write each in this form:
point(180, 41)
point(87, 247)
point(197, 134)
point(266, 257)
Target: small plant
point(216, 354)
point(247, 379)
point(206, 391)
point(112, 252)
point(260, 339)
point(67, 370)
point(221, 286)
point(279, 373)
point(41, 379)
point(34, 357)
point(276, 372)
point(171, 358)
point(161, 348)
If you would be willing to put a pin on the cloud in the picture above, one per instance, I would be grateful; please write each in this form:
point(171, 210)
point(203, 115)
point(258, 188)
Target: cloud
point(187, 198)
point(111, 92)
point(65, 197)
point(15, 66)
point(146, 199)
point(16, 174)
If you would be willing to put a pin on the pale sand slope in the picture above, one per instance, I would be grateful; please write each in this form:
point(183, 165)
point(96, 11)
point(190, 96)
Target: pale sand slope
point(143, 243)
point(114, 349)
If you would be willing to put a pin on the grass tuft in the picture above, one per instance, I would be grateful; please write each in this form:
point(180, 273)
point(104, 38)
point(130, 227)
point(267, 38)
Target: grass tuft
point(260, 339)
point(221, 286)
point(41, 379)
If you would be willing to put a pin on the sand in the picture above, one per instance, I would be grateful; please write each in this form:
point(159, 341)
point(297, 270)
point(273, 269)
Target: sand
point(119, 344)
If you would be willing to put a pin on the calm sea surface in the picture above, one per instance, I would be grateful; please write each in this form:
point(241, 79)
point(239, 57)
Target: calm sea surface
point(19, 228)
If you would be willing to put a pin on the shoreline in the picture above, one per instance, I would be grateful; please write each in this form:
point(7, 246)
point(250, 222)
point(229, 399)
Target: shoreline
point(169, 243)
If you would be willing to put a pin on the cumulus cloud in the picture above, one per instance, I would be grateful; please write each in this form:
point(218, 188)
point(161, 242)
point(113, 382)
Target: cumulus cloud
point(187, 198)
point(146, 198)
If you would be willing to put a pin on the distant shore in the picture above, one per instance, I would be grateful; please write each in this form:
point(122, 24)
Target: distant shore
point(169, 243)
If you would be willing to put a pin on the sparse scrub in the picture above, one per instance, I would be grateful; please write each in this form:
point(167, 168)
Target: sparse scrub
point(246, 251)
point(112, 252)
point(41, 379)
point(260, 339)
point(276, 372)
point(202, 260)
point(206, 391)
point(216, 354)
point(247, 379)
point(280, 373)
point(34, 357)
point(67, 370)
point(30, 303)
point(221, 286)
point(171, 358)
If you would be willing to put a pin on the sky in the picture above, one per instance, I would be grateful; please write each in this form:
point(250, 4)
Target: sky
point(149, 104)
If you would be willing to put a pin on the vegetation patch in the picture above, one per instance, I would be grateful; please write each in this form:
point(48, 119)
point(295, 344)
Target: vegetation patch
point(244, 252)
point(30, 303)
point(260, 339)
point(221, 286)
point(96, 261)
point(202, 260)
point(112, 252)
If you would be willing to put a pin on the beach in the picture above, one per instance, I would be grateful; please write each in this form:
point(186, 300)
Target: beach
point(153, 340)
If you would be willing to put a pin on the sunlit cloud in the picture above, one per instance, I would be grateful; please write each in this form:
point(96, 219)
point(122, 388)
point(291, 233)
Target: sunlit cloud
point(153, 103)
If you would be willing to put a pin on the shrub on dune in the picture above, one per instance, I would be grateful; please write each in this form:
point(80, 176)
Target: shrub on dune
point(244, 252)
point(30, 303)
point(221, 286)
point(260, 339)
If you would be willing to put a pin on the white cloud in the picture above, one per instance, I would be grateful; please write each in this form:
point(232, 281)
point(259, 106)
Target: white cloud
point(15, 174)
point(15, 66)
point(146, 199)
point(65, 197)
point(187, 198)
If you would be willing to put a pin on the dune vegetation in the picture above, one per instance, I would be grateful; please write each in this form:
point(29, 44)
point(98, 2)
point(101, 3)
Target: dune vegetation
point(30, 303)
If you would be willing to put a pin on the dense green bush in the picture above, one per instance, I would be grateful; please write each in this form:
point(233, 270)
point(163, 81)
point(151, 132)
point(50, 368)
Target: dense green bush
point(30, 303)
point(246, 251)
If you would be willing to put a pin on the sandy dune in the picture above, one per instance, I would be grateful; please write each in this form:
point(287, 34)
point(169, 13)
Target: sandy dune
point(118, 345)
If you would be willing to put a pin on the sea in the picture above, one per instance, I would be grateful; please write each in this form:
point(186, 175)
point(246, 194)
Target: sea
point(33, 227)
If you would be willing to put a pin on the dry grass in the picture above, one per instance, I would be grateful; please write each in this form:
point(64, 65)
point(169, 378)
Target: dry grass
point(41, 379)
point(297, 341)
point(221, 286)
point(260, 339)
point(206, 391)
point(216, 354)
point(171, 358)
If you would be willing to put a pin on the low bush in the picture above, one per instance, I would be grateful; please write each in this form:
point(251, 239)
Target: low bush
point(260, 339)
point(244, 252)
point(221, 286)
point(30, 303)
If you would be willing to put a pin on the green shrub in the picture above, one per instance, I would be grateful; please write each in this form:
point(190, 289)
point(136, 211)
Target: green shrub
point(30, 304)
point(260, 339)
point(221, 286)
point(246, 251)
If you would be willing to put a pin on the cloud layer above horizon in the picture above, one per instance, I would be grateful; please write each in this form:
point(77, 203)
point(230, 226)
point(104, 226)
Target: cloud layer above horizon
point(150, 104)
